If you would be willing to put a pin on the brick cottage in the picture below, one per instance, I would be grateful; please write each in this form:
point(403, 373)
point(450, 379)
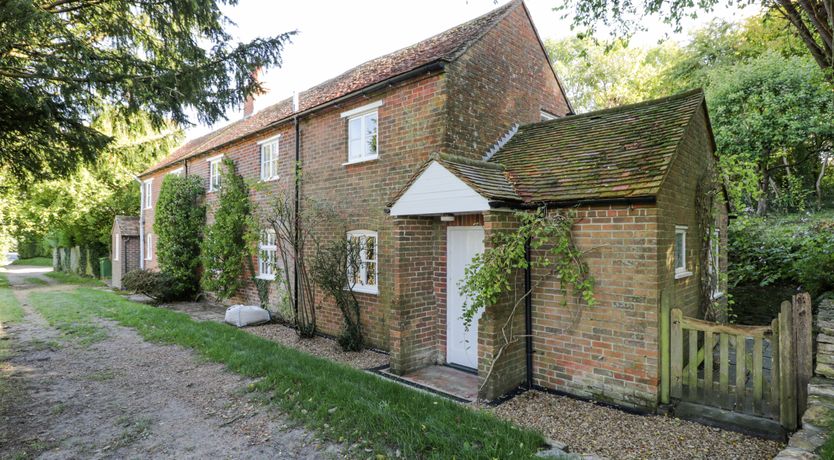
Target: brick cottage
point(432, 148)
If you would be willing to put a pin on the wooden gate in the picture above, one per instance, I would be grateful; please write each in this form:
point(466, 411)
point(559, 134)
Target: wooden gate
point(761, 371)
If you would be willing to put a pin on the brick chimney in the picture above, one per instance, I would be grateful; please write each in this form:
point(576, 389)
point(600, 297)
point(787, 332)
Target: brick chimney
point(249, 102)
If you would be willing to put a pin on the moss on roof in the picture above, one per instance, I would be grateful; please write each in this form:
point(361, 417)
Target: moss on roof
point(624, 152)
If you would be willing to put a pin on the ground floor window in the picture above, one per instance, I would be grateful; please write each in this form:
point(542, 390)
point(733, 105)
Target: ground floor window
point(680, 252)
point(149, 247)
point(365, 277)
point(267, 251)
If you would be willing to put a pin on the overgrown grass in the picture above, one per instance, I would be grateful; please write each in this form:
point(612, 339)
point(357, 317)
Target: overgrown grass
point(72, 278)
point(63, 312)
point(36, 281)
point(342, 403)
point(36, 261)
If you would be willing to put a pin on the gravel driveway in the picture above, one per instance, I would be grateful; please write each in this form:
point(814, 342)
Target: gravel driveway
point(126, 398)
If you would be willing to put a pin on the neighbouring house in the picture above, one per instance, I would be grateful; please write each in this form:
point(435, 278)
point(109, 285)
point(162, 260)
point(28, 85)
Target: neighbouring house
point(432, 148)
point(124, 252)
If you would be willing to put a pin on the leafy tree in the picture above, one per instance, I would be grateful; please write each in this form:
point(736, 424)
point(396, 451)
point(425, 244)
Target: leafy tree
point(602, 75)
point(767, 113)
point(225, 248)
point(64, 62)
point(812, 21)
point(178, 225)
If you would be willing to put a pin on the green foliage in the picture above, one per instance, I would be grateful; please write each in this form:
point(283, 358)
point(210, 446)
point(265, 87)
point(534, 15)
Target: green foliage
point(65, 63)
point(796, 250)
point(604, 75)
point(178, 226)
point(332, 269)
point(226, 246)
point(156, 285)
point(36, 261)
point(548, 233)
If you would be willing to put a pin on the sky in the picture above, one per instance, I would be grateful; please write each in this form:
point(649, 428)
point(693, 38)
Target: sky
point(334, 36)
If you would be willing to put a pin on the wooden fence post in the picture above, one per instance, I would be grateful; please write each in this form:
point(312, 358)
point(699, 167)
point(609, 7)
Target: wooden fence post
point(676, 348)
point(803, 348)
point(665, 368)
point(787, 375)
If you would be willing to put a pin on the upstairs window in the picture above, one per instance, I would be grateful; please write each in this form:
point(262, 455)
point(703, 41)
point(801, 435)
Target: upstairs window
point(680, 252)
point(267, 252)
point(547, 116)
point(214, 173)
point(147, 194)
point(269, 159)
point(365, 277)
point(178, 172)
point(363, 133)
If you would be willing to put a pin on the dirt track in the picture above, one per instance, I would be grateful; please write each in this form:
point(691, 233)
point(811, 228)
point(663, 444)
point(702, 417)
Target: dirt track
point(124, 397)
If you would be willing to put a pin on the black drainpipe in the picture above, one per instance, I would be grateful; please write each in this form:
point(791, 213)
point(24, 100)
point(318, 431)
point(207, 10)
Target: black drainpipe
point(528, 313)
point(297, 209)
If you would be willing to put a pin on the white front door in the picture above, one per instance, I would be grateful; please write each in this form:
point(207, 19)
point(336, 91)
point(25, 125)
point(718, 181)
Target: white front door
point(462, 244)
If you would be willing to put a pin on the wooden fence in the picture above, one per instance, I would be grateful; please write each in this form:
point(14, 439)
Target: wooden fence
point(756, 370)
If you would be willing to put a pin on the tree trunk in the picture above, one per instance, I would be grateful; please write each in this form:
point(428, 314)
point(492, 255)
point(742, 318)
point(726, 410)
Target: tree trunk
point(761, 209)
point(818, 184)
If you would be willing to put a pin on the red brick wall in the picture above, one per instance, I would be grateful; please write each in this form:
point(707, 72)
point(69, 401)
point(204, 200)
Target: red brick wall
point(608, 351)
point(503, 79)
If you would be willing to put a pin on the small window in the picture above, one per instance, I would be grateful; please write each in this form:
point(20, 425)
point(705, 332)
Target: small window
point(214, 174)
point(116, 247)
point(149, 247)
point(715, 264)
point(363, 137)
point(148, 195)
point(269, 160)
point(267, 252)
point(680, 253)
point(547, 116)
point(178, 171)
point(365, 279)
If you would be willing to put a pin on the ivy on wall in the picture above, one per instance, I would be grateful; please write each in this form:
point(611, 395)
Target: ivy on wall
point(225, 248)
point(178, 226)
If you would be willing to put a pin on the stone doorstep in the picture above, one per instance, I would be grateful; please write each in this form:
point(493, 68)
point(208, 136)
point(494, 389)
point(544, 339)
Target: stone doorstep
point(809, 439)
point(817, 415)
point(825, 348)
point(792, 453)
point(824, 369)
point(825, 358)
point(825, 338)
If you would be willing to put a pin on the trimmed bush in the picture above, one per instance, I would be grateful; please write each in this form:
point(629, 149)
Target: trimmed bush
point(156, 285)
point(180, 216)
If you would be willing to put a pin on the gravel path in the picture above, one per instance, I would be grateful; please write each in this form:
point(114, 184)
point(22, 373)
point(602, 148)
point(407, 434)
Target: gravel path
point(127, 398)
point(589, 428)
point(318, 346)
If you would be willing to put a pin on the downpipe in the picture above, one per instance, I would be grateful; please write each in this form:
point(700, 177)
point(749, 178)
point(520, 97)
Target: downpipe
point(141, 222)
point(528, 314)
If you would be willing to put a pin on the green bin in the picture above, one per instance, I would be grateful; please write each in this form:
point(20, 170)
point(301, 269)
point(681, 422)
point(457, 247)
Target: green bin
point(106, 268)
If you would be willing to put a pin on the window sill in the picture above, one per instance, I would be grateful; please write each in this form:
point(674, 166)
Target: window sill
point(682, 274)
point(271, 179)
point(366, 290)
point(362, 160)
point(717, 295)
point(266, 277)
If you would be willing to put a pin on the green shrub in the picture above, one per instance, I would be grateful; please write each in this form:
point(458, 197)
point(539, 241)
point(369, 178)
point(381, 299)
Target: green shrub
point(225, 247)
point(156, 285)
point(180, 216)
point(796, 250)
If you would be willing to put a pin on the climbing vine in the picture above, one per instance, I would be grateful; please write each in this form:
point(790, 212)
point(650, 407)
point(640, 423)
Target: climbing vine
point(225, 247)
point(333, 267)
point(552, 254)
point(706, 200)
point(180, 216)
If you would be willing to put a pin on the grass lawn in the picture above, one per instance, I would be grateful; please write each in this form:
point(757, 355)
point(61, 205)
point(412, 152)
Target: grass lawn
point(10, 312)
point(341, 403)
point(72, 278)
point(37, 261)
point(35, 281)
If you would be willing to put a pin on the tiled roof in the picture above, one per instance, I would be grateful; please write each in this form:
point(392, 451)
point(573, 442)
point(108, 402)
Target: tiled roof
point(624, 152)
point(446, 46)
point(127, 225)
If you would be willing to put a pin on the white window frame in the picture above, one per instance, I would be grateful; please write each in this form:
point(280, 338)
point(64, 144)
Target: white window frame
point(116, 247)
point(547, 116)
point(148, 193)
point(214, 172)
point(715, 263)
point(266, 265)
point(361, 114)
point(269, 167)
point(149, 246)
point(680, 271)
point(178, 171)
point(362, 285)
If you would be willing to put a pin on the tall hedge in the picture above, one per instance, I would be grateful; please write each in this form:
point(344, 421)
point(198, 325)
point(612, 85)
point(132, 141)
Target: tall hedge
point(225, 247)
point(178, 227)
